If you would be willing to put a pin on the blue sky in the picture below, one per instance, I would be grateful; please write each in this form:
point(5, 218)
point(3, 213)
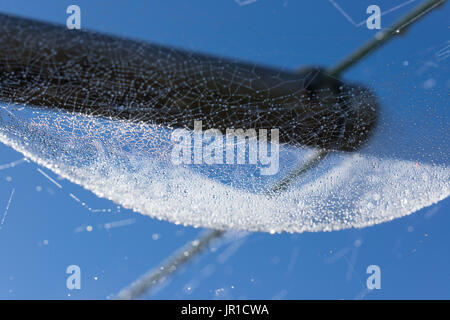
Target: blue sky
point(45, 229)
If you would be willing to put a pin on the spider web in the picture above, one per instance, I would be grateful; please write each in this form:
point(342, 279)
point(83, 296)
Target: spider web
point(123, 99)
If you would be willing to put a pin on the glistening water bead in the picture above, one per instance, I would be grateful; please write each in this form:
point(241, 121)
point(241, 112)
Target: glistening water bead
point(45, 65)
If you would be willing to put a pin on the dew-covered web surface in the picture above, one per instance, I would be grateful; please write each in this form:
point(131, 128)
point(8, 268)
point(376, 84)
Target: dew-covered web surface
point(48, 223)
point(49, 66)
point(120, 148)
